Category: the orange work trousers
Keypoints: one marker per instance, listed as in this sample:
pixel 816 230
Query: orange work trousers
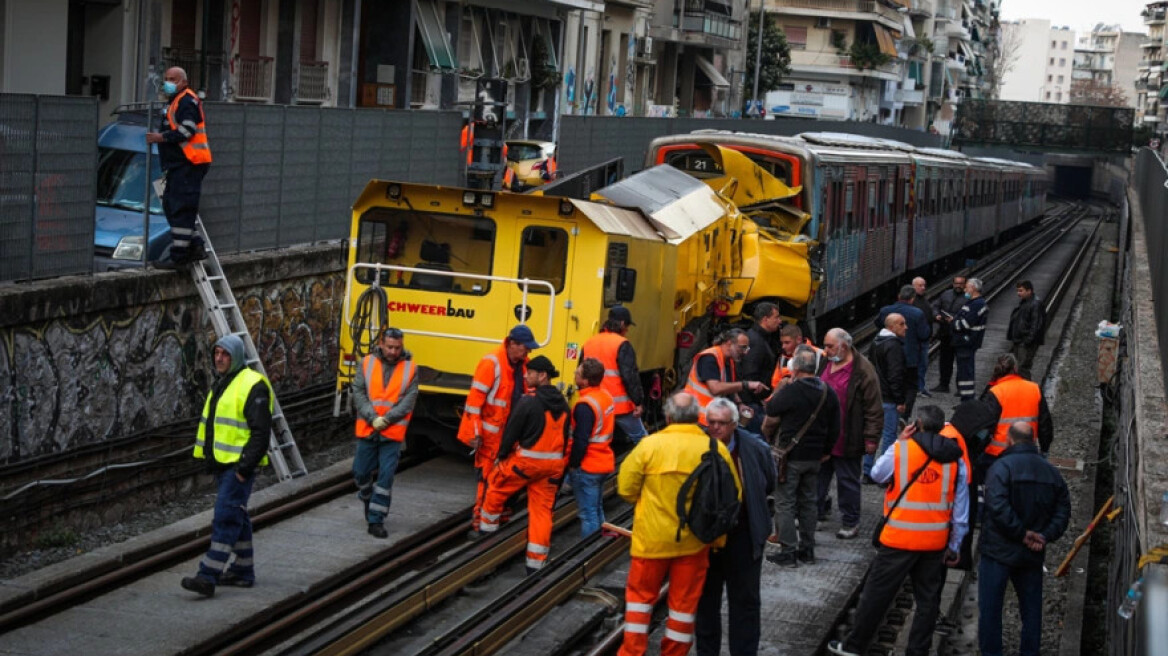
pixel 687 575
pixel 512 475
pixel 484 462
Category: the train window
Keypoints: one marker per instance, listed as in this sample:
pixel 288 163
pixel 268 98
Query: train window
pixel 905 200
pixel 420 240
pixel 849 208
pixel 873 219
pixel 890 203
pixel 618 259
pixel 543 255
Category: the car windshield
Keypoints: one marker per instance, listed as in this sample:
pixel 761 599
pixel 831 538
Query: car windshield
pixel 520 152
pixel 121 180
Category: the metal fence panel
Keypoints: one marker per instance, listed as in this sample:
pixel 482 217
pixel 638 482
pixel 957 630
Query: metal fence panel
pixel 366 154
pixel 66 165
pixel 333 194
pixel 589 140
pixel 298 182
pixel 17 173
pixel 263 140
pixel 221 204
pixel 396 152
pixel 1151 176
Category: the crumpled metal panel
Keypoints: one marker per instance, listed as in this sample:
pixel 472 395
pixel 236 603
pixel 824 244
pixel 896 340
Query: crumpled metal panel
pixel 678 204
pixel 618 221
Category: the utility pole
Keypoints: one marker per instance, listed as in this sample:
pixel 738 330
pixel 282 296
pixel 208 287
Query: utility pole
pixel 758 48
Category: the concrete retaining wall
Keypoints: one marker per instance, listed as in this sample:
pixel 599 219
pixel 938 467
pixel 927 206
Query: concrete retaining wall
pixel 89 359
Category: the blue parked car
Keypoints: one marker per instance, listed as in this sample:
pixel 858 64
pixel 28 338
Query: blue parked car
pixel 121 189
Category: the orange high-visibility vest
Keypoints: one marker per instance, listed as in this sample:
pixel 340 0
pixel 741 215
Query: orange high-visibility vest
pixel 196 149
pixel 384 396
pixel 697 388
pixel 1019 399
pixel 489 402
pixel 783 365
pixel 604 347
pixel 954 434
pixel 550 445
pixel 920 521
pixel 466 143
pixel 598 459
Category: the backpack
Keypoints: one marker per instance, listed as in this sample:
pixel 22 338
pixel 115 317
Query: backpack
pixel 714 509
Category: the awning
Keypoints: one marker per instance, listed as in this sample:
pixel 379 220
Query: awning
pixel 708 68
pixel 885 40
pixel 965 50
pixel 908 28
pixel 1164 91
pixel 434 35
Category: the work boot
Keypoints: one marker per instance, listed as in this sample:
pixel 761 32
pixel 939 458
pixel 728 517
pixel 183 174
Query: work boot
pixel 196 251
pixel 806 555
pixel 783 559
pixel 229 578
pixel 847 532
pixel 205 587
pixel 378 531
pixel 475 535
pixel 940 389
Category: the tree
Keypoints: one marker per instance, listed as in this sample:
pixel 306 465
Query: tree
pixel 1003 53
pixel 1090 92
pixel 776 55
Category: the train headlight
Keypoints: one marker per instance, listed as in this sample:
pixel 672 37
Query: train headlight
pixel 468 197
pixel 487 200
pixel 394 191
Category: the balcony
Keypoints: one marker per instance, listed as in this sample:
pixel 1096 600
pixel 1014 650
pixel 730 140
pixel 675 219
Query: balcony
pixel 711 24
pixel 829 62
pixel 855 9
pixel 1150 62
pixel 910 96
pixel 253 78
pixel 1154 17
pixel 313 83
pixel 921 8
pixel 958 29
pixel 1151 43
pixel 191 61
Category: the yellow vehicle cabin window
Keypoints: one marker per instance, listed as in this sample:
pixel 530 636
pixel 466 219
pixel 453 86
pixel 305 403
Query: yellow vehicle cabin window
pixel 543 255
pixel 441 244
pixel 617 260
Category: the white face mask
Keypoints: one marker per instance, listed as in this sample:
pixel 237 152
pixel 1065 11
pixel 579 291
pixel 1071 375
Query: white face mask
pixel 833 358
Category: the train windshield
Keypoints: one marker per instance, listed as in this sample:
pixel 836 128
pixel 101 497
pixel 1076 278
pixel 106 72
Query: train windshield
pixel 699 164
pixel 442 244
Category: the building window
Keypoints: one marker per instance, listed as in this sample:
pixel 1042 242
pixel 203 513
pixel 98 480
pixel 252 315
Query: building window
pixel 1060 79
pixel 1048 95
pixel 1053 45
pixel 1058 96
pixel 1052 61
pixel 1050 78
pixel 1063 46
pixel 796 37
pixel 1062 62
pixel 544 256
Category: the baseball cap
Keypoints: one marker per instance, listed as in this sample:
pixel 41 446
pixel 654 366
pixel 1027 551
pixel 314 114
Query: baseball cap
pixel 621 313
pixel 541 363
pixel 522 335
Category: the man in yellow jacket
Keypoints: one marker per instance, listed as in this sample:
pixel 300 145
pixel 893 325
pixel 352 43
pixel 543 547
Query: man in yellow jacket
pixel 650 478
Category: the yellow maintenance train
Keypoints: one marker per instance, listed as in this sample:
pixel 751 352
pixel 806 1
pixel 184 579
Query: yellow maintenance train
pixel 457 268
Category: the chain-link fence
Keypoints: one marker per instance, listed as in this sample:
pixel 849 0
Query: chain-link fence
pixel 1044 125
pixel 589 140
pixel 285 175
pixel 48 173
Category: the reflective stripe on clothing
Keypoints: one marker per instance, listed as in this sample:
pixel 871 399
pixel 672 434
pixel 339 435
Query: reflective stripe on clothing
pixel 920 522
pixel 606 347
pixel 1019 400
pixel 697 387
pixel 598 458
pixel 230 432
pixel 687 576
pixel 195 148
pixel 383 395
pixel 488 404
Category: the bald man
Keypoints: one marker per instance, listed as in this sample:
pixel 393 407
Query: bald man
pixel 184 155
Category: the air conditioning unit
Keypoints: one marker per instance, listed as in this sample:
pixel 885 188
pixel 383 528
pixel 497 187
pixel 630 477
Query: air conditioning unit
pixel 823 23
pixel 646 46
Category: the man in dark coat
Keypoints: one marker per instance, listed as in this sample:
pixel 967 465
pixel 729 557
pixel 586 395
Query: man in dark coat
pixel 887 356
pixel 759 362
pixel 921 302
pixel 967 332
pixel 1027 327
pixel 946 308
pixel 917 335
pixel 737 567
pixel 1027 506
pixel 788 411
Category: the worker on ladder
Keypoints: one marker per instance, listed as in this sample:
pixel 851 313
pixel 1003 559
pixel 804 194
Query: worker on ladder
pixel 184 155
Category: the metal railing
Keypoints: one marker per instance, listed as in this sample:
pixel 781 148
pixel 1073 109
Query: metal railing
pixel 313 82
pixel 852 6
pixel 525 283
pixel 253 78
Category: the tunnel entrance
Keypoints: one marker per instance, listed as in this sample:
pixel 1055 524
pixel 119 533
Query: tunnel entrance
pixel 1072 181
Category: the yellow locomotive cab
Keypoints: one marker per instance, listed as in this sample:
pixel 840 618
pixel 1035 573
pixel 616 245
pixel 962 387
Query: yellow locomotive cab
pixel 456 269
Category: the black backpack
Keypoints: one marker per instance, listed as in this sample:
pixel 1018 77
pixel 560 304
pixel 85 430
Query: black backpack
pixel 714 510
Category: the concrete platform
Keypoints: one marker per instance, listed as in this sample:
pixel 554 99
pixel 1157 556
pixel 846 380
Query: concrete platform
pixel 156 616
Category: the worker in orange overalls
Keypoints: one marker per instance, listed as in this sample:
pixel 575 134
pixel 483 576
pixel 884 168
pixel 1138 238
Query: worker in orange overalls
pixel 622 378
pixel 714 372
pixel 498 384
pixel 591 460
pixel 650 478
pixel 532 456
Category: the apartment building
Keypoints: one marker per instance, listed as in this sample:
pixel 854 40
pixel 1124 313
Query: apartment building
pixel 1033 40
pixel 699 47
pixel 1108 56
pixel 1151 92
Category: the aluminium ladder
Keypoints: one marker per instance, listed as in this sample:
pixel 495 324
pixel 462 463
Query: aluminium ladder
pixel 228 320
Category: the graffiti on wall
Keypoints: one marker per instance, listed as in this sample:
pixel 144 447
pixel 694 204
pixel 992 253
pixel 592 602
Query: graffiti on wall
pixel 81 380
